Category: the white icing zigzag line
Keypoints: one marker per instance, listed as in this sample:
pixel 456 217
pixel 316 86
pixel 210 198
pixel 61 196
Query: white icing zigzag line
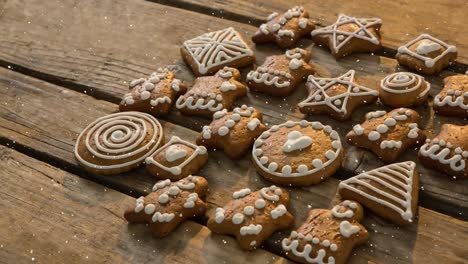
pixel 428 61
pixel 176 170
pixel 377 175
pixel 452 100
pixel 200 103
pixel 216 48
pixel 267 78
pixel 320 97
pixel 305 253
pixel 439 153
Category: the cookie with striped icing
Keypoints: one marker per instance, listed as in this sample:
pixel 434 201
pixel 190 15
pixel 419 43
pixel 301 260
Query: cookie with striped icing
pixel 252 217
pixel 453 99
pixel 169 204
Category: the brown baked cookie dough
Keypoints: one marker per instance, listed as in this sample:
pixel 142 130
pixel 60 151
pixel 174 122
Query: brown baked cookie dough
pixel 453 99
pixel 327 236
pixel 154 95
pixel 233 132
pixel 390 191
pixel 285 29
pixel 388 135
pixel 280 74
pixel 426 54
pixel 252 217
pixel 169 204
pixel 404 89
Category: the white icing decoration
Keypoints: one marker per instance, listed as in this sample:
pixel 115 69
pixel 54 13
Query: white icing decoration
pixel 265 192
pixel 209 101
pixel 175 152
pixel 347 229
pixel 237 219
pixel 358 129
pixel 403 83
pixel 251 230
pixel 241 193
pixel 279 211
pixel 227 86
pixel 375 114
pixel 346 214
pixel 190 201
pixel 219 216
pixel 145 95
pixel 293 246
pixel 161 184
pixel 390 144
pixel 260 203
pixel 165 217
pixel 296 141
pixel 426 46
pixel 295 64
pixel 303 23
pixel 453 98
pixel 264 29
pixel 253 124
pixel 373 135
pixel 272 15
pixel 206 132
pixel 437 150
pixel 222 131
pixel 160 100
pixel 262 75
pixel 249 210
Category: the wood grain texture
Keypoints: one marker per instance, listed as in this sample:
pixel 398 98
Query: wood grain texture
pixel 25 124
pixel 49 40
pixel 52 216
pixel 402 20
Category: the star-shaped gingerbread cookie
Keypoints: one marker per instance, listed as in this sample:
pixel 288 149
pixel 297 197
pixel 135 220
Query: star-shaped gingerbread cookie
pixel 337 97
pixel 253 216
pixel 448 151
pixel 234 132
pixel 154 95
pixel 388 135
pixel 349 35
pixel 280 74
pixel 169 204
pixel 453 99
pixel 285 29
pixel 210 94
pixel 327 236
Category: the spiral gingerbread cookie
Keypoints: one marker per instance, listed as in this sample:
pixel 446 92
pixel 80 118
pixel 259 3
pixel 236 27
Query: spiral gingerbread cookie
pixel 118 142
pixel 298 153
pixel 404 89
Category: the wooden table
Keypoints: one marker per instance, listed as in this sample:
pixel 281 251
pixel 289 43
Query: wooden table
pixel 66 63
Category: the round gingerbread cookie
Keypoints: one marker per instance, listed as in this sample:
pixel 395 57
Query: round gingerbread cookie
pixel 403 89
pixel 118 142
pixel 298 153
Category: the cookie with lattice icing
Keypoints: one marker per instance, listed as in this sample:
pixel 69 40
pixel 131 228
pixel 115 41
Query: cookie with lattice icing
pixel 212 51
pixel 350 35
pixel 426 54
pixel 403 89
pixel 233 132
pixel 177 159
pixel 453 99
pixel 390 191
pixel 169 204
pixel 154 95
pixel 448 151
pixel 327 236
pixel 280 74
pixel 285 29
pixel 388 135
pixel 252 217
pixel 337 97
pixel 118 142
pixel 298 153
pixel 210 94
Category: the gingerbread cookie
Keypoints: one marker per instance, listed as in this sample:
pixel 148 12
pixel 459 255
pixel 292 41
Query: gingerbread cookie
pixel 448 151
pixel 327 236
pixel 337 97
pixel 453 99
pixel 426 54
pixel 154 95
pixel 169 204
pixel 403 89
pixel 280 74
pixel 388 135
pixel 210 94
pixel 252 217
pixel 176 160
pixel 210 52
pixel 298 153
pixel 390 191
pixel 118 142
pixel 234 132
pixel 350 35
pixel 285 29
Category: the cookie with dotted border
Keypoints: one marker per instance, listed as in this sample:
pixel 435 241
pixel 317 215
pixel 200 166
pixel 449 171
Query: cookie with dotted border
pixel 298 153
pixel 448 151
pixel 210 94
pixel 453 99
pixel 279 75
pixel 327 236
pixel 403 89
pixel 286 29
pixel 154 95
pixel 388 135
pixel 169 204
pixel 252 217
pixel 177 159
pixel 233 132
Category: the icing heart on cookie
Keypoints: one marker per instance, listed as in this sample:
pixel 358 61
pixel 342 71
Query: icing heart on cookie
pixel 427 47
pixel 174 153
pixel 296 141
pixel 347 229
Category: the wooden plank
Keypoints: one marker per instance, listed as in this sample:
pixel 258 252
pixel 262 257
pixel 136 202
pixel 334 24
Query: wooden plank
pixel 91 61
pixel 52 216
pixel 33 103
pixel 402 20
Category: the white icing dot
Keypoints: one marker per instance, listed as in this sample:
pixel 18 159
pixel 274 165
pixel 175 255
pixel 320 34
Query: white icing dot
pixel 237 218
pixel 264 160
pixel 163 198
pixel 382 128
pixel 249 210
pixel 173 190
pixel 302 168
pixel 222 131
pixel 272 166
pixel 317 163
pixel 149 209
pixel 260 203
pixel 333 247
pixel 373 135
pixel 286 170
pixel 330 155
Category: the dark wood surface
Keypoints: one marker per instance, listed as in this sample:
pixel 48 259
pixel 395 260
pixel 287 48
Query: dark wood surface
pixel 82 55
